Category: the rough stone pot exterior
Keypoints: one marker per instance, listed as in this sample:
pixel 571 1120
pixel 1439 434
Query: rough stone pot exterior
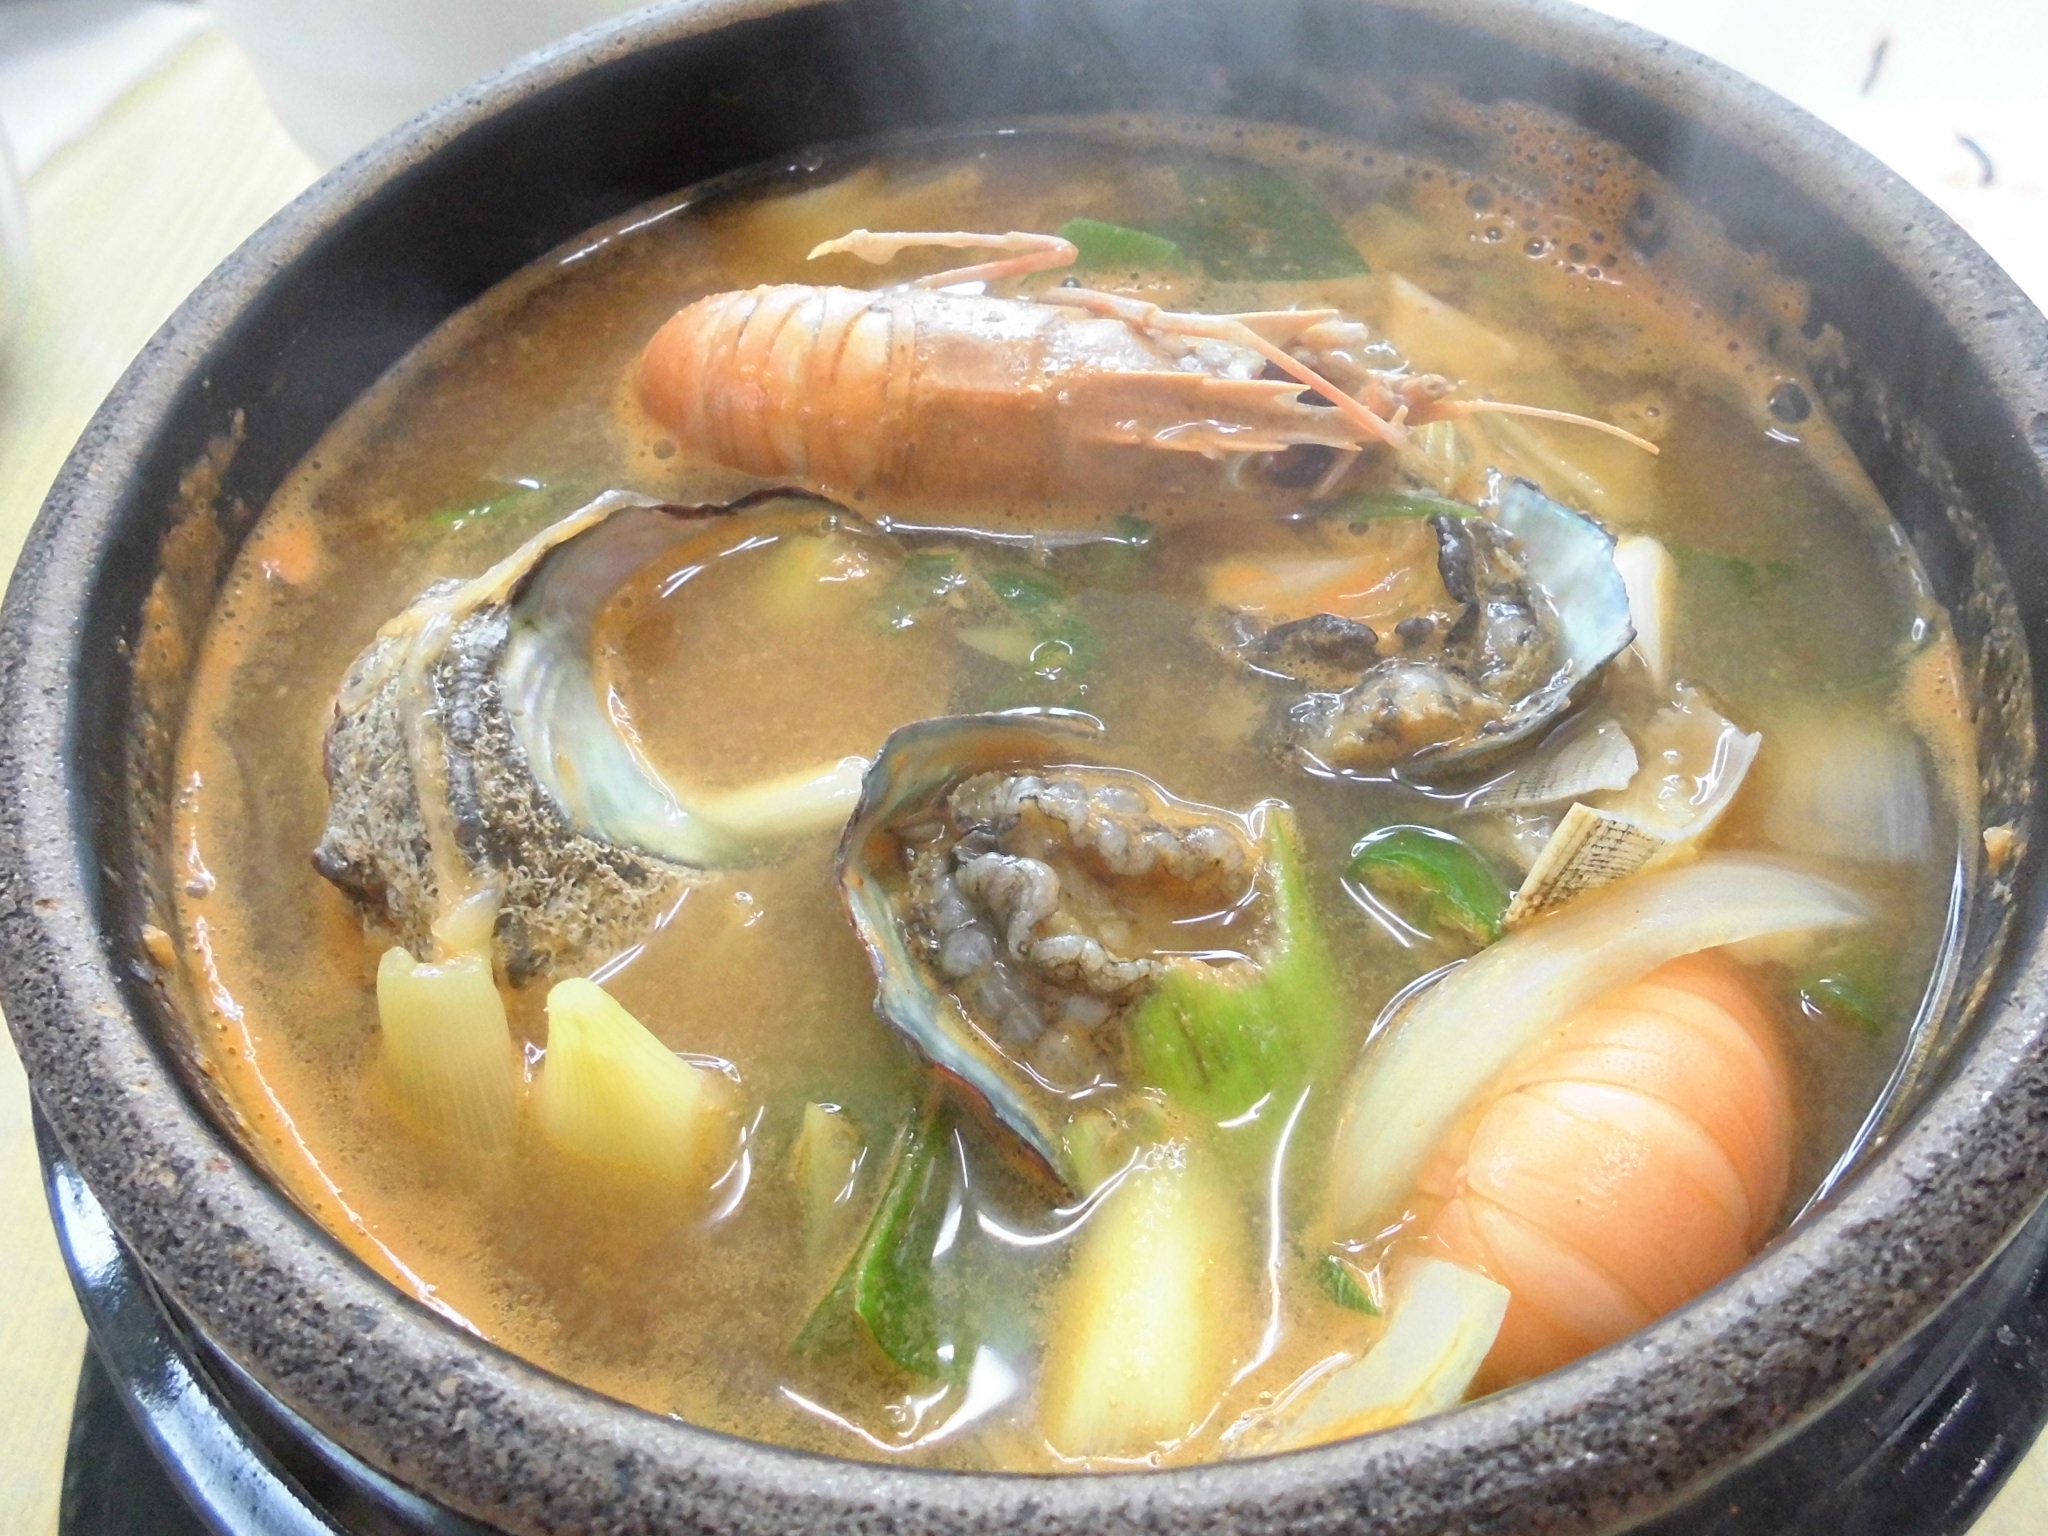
pixel 1944 395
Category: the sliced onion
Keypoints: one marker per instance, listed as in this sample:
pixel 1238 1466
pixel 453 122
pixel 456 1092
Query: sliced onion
pixel 1842 784
pixel 1415 1080
pixel 1444 1321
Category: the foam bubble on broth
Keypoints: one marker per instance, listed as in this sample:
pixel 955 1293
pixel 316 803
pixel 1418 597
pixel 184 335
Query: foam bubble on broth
pixel 520 407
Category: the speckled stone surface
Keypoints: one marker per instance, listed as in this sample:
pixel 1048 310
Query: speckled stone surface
pixel 1946 368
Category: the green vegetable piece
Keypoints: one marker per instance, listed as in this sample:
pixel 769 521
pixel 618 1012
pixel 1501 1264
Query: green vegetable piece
pixel 1218 1044
pixel 1118 559
pixel 1133 532
pixel 930 575
pixel 1432 880
pixel 1101 247
pixel 1732 573
pixel 920 584
pixel 1064 647
pixel 1853 986
pixel 891 1285
pixel 1345 1286
pixel 1255 224
pixel 507 506
pixel 1026 592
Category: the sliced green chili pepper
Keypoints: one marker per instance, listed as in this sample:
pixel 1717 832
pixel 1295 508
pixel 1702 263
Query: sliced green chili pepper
pixel 1432 880
pixel 1218 1045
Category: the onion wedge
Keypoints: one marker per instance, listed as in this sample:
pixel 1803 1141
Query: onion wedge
pixel 1415 1079
pixel 1443 1323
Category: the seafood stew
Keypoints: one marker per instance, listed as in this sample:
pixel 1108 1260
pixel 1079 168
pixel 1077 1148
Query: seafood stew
pixel 1304 788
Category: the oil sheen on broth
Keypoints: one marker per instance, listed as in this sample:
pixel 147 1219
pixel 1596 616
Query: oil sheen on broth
pixel 1209 1279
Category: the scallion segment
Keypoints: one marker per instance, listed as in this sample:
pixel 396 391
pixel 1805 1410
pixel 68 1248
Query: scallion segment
pixel 890 1288
pixel 448 1047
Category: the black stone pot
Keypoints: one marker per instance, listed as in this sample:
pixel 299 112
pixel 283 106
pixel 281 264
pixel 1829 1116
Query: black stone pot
pixel 1940 382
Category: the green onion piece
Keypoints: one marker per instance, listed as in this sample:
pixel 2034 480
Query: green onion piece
pixel 1026 591
pixel 514 506
pixel 1218 1043
pixel 919 584
pixel 1119 558
pixel 1256 224
pixel 1345 1286
pixel 1433 881
pixel 1063 648
pixel 1732 574
pixel 1852 985
pixel 825 1166
pixel 1102 247
pixel 890 1286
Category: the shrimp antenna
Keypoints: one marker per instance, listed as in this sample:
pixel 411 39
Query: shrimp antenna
pixel 1440 408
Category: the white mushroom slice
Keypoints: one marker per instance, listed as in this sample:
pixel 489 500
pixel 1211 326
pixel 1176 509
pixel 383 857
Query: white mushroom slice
pixel 1694 761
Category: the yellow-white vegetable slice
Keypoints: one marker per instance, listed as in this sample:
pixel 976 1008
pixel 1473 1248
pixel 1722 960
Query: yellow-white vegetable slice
pixel 448 1047
pixel 1143 1337
pixel 613 1096
pixel 825 1165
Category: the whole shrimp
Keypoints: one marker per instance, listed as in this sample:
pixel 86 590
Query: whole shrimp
pixel 925 390
pixel 1638 1157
